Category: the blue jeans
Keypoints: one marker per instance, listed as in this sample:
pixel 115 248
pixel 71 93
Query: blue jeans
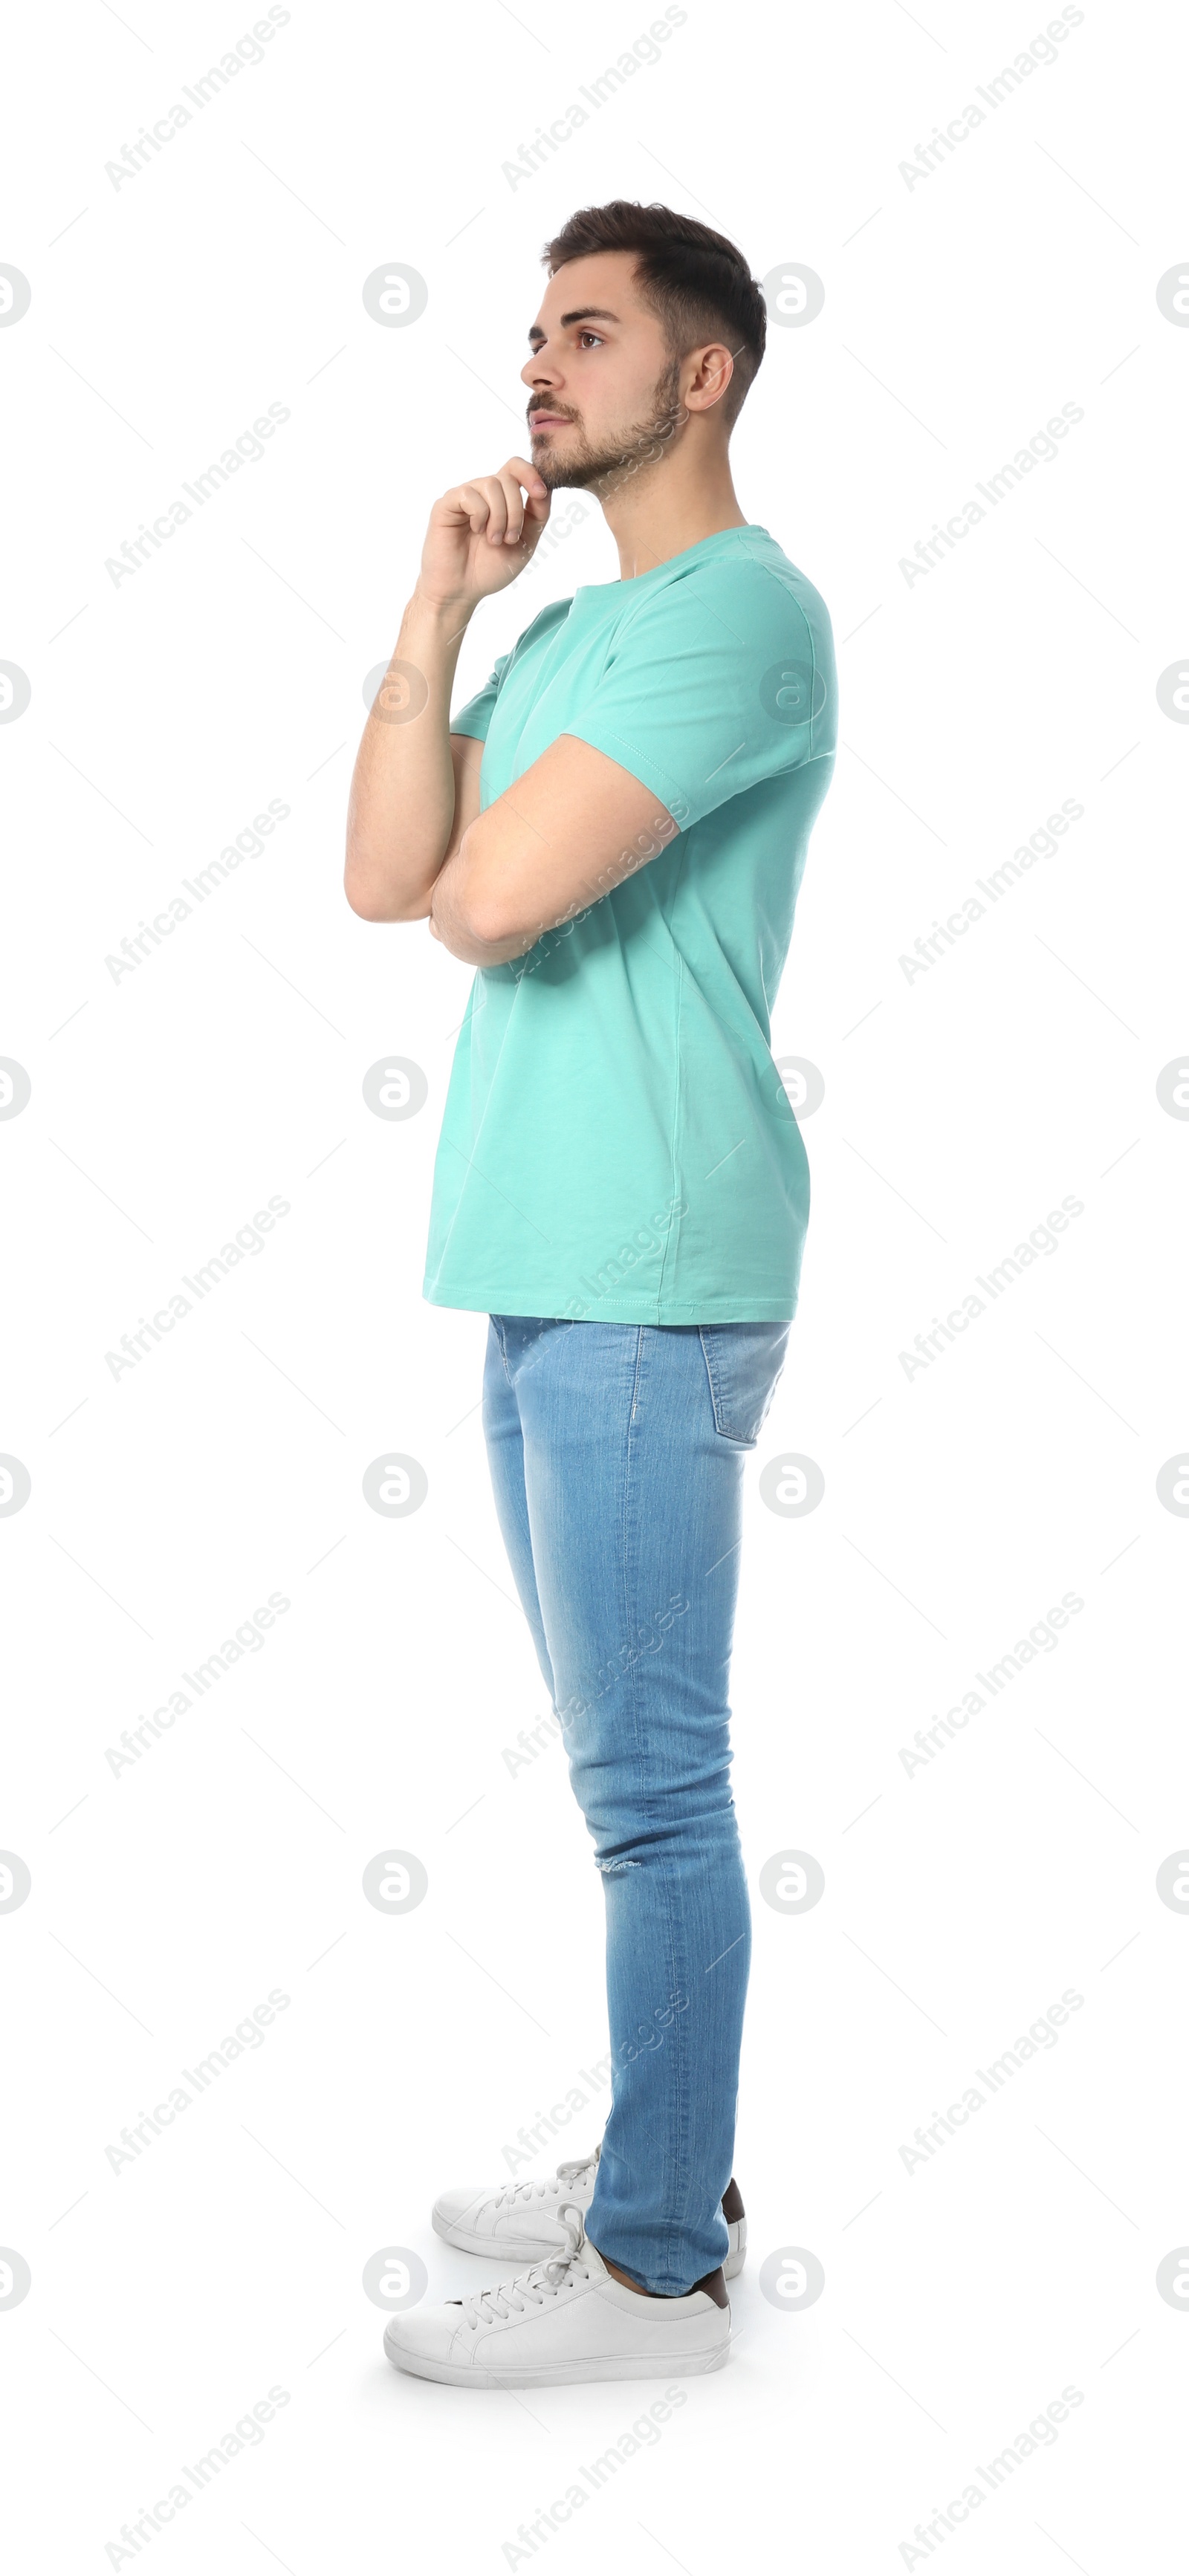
pixel 617 1454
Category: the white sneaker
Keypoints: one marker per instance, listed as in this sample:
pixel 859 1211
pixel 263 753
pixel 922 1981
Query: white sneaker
pixel 565 2320
pixel 520 2219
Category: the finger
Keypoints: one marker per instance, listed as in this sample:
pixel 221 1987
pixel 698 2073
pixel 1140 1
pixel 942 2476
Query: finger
pixel 537 506
pixel 497 508
pixel 515 505
pixel 472 500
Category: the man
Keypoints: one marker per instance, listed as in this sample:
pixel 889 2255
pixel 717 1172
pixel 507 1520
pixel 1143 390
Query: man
pixel 613 833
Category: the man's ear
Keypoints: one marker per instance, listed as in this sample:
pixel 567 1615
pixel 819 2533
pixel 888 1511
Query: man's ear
pixel 715 368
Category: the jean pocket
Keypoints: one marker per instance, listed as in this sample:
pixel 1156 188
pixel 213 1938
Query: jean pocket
pixel 743 1364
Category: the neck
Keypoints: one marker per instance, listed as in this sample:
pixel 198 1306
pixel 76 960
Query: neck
pixel 668 506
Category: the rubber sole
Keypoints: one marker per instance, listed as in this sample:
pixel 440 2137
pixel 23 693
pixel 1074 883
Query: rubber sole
pixel 537 2251
pixel 617 2366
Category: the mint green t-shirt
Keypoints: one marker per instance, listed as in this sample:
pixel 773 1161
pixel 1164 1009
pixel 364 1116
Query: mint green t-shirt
pixel 617 1143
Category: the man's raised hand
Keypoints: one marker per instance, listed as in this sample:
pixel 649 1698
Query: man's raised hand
pixel 482 534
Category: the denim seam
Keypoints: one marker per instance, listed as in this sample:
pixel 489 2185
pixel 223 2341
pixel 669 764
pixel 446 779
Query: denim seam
pixel 708 1356
pixel 515 1488
pixel 744 1439
pixel 676 2164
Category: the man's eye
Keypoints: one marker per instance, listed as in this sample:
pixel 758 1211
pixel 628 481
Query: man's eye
pixel 596 336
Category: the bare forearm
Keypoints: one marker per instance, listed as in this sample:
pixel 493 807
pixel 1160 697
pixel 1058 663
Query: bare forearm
pixel 401 810
pixel 402 824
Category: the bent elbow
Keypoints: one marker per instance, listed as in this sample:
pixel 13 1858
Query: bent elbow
pixel 484 908
pixel 487 922
pixel 372 900
pixel 361 899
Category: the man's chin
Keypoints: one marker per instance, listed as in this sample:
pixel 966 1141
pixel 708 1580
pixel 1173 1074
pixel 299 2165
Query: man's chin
pixel 559 474
pixel 582 473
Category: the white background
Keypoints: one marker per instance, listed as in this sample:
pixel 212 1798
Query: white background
pixel 962 1899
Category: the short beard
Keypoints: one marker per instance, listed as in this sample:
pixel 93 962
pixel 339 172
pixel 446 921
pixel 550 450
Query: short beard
pixel 633 452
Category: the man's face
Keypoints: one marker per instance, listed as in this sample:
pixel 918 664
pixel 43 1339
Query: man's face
pixel 603 389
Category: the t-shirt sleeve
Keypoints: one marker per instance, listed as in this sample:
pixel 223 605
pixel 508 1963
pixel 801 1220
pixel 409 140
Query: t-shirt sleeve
pixel 717 683
pixel 475 717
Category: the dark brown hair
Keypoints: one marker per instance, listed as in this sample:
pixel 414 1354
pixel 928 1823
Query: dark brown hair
pixel 697 283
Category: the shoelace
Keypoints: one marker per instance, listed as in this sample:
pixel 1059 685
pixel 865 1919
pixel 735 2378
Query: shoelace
pixel 545 2281
pixel 510 2193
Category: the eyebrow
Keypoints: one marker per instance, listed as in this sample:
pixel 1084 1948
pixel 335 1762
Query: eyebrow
pixel 585 313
